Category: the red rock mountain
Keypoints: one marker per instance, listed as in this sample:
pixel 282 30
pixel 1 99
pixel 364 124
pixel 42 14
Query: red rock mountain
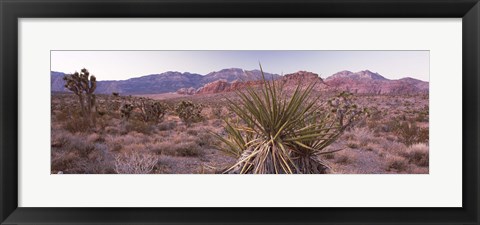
pixel 367 82
pixel 289 81
pixel 362 82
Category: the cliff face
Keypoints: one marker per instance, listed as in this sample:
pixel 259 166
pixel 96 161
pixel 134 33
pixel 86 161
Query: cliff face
pixel 367 82
pixel 187 91
pixel 289 81
pixel 220 86
pixel 170 81
pixel 226 80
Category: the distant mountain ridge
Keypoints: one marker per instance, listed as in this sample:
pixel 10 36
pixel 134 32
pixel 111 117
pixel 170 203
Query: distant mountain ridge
pixel 170 81
pixel 288 81
pixel 364 74
pixel 367 82
pixel 231 79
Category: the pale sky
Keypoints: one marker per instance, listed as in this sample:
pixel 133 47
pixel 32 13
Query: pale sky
pixel 121 65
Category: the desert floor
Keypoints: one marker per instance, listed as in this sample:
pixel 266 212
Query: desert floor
pixel 393 139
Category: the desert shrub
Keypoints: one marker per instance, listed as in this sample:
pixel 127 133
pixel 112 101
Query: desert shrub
pixel 82 147
pixel 61 116
pixel 417 154
pixel 97 162
pixel 360 137
pixel 189 148
pixel 76 124
pixel 352 145
pixel 343 159
pixel 396 163
pixel 282 133
pixel 189 112
pixel 94 137
pixel 63 161
pixel 206 139
pixel 167 125
pixel 216 112
pixel 422 117
pixel 192 132
pixel 409 133
pixel 115 147
pixel 81 154
pixel 138 126
pixel 135 163
pixel 60 139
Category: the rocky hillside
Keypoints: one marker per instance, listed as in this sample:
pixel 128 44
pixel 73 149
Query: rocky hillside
pixel 289 81
pixel 367 82
pixel 56 81
pixel 234 74
pixel 227 80
pixel 165 82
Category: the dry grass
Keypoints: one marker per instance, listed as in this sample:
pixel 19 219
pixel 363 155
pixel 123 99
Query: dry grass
pixel 117 146
pixel 135 163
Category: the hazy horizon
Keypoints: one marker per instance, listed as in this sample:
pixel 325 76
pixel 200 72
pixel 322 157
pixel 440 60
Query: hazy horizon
pixel 122 65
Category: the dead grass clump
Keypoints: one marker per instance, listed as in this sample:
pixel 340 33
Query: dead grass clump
pixel 61 116
pixel 76 124
pixel 135 163
pixel 63 161
pixel 417 154
pixel 80 145
pixel 94 137
pixel 188 149
pixel 343 159
pixel 167 125
pixel 99 161
pixel 360 138
pixel 409 133
pixel 115 147
pixel 352 145
pixel 138 126
pixel 134 147
pixel 364 136
pixel 60 139
pixel 396 163
pixel 392 147
pixel 112 130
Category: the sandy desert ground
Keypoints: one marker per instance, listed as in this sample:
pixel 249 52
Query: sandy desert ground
pixel 392 139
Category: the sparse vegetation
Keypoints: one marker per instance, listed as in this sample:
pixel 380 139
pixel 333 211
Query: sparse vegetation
pixel 189 112
pixel 289 131
pixel 83 85
pixel 277 133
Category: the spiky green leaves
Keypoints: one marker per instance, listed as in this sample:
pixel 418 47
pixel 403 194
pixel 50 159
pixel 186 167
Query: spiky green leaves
pixel 279 132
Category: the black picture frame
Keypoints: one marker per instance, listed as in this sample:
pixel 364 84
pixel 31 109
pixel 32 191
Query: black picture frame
pixel 12 10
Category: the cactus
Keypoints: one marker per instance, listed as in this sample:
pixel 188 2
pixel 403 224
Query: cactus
pixel 83 85
pixel 188 112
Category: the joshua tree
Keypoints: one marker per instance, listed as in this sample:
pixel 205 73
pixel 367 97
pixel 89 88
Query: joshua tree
pixel 83 85
pixel 151 111
pixel 278 132
pixel 126 110
pixel 188 112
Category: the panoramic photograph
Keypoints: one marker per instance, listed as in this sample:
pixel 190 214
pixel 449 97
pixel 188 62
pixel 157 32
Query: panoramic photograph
pixel 239 112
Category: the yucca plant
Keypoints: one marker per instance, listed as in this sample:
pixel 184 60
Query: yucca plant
pixel 277 132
